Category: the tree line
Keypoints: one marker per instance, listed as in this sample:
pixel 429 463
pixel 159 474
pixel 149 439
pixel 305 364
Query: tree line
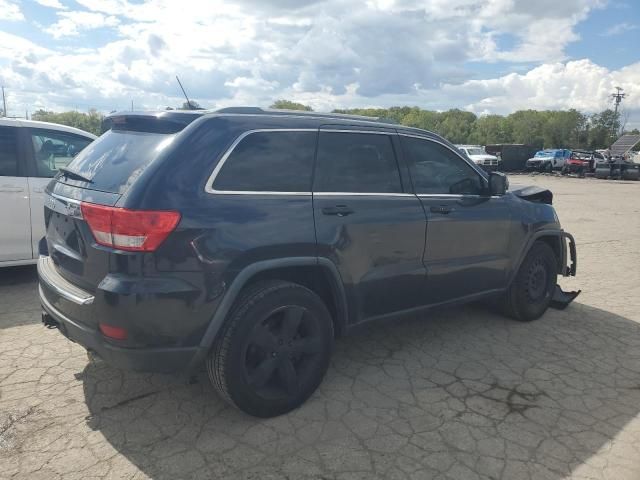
pixel 539 128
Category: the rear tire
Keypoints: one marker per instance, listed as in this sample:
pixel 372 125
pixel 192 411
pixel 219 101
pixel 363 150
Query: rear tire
pixel 530 293
pixel 273 350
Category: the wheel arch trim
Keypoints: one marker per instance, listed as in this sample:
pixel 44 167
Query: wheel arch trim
pixel 245 276
pixel 562 238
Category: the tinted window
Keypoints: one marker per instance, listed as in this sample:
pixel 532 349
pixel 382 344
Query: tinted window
pixel 269 162
pixel 356 162
pixel 437 170
pixel 8 152
pixel 116 159
pixel 53 150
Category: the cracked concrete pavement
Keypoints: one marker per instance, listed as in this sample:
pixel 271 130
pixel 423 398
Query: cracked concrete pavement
pixel 460 394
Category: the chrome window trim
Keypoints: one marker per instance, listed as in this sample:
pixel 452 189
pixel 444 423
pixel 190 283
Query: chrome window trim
pixel 209 185
pixel 361 194
pixel 208 188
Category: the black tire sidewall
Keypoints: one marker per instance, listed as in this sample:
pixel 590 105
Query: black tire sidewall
pixel 521 305
pixel 246 316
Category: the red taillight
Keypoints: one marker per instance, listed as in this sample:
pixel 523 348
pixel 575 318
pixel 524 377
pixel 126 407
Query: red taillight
pixel 117 333
pixel 133 230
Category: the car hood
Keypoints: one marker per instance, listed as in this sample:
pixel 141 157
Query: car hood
pixel 483 157
pixel 533 194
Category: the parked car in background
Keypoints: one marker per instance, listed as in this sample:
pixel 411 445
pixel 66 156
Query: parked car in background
pixel 548 160
pixel 480 157
pixel 30 154
pixel 582 162
pixel 248 240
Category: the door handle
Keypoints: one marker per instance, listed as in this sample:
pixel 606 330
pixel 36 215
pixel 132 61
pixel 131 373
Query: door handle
pixel 9 188
pixel 441 209
pixel 339 210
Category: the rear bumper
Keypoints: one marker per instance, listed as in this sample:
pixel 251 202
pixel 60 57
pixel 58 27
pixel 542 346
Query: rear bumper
pixel 163 360
pixel 77 313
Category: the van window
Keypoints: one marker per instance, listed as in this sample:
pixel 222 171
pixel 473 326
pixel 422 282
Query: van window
pixel 8 152
pixel 356 163
pixel 54 149
pixel 273 161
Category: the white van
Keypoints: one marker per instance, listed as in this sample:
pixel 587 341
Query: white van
pixel 30 154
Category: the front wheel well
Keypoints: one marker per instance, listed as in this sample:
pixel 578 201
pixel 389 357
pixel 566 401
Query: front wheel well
pixel 555 242
pixel 316 278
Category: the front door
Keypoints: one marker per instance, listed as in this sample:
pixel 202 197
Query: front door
pixel 467 242
pixel 15 235
pixel 367 223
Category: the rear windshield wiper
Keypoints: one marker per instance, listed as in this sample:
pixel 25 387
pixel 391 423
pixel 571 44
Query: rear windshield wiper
pixel 71 174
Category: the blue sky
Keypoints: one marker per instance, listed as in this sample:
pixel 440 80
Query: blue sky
pixel 492 56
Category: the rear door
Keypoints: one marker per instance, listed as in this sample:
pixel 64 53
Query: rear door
pixel 15 235
pixel 49 151
pixel 467 243
pixel 367 221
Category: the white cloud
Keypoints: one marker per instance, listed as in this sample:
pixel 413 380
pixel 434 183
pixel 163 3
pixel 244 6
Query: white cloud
pixel 329 53
pixel 52 4
pixel 10 11
pixel 619 29
pixel 72 23
pixel 579 84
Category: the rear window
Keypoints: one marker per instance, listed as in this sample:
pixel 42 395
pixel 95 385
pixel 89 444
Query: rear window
pixel 116 159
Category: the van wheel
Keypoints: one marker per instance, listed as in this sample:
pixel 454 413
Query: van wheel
pixel 274 349
pixel 530 293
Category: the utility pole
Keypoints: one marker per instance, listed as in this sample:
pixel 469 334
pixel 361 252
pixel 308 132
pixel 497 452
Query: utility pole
pixel 617 98
pixel 4 104
pixel 132 105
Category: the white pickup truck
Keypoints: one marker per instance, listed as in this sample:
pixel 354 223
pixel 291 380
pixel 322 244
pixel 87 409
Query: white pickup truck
pixel 480 157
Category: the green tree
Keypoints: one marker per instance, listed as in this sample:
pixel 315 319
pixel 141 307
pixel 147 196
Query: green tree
pixel 89 122
pixel 603 128
pixel 289 105
pixel 491 129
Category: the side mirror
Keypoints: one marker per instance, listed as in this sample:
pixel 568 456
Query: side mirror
pixel 498 183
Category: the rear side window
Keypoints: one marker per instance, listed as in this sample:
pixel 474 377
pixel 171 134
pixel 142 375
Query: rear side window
pixel 53 150
pixel 356 163
pixel 274 161
pixel 8 152
pixel 117 158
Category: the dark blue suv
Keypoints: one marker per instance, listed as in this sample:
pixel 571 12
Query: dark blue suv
pixel 248 240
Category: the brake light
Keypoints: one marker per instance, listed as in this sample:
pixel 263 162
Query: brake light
pixel 132 230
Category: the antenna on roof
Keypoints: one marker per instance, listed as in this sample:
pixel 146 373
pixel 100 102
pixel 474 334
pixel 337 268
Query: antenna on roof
pixel 191 107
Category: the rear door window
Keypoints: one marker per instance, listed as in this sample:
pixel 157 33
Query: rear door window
pixel 356 163
pixel 8 152
pixel 269 161
pixel 54 149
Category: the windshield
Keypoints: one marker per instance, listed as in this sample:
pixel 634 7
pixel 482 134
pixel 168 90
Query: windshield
pixel 476 151
pixel 545 153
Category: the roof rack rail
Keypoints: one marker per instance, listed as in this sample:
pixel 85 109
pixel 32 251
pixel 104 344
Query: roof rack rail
pixel 273 111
